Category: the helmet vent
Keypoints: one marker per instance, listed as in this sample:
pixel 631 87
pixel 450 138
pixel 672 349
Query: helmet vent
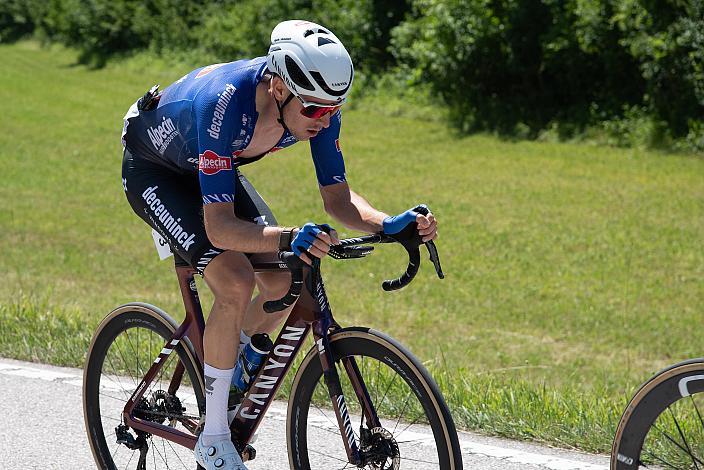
pixel 319 79
pixel 310 31
pixel 297 75
pixel 322 41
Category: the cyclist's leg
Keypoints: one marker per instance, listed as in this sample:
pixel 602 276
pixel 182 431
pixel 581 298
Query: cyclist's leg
pixel 171 203
pixel 271 286
pixel 231 279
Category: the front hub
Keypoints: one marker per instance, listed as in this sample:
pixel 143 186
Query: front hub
pixel 379 450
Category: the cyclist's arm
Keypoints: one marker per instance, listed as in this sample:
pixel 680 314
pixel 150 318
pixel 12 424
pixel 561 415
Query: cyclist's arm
pixel 217 117
pixel 340 202
pixel 230 233
pixel 351 209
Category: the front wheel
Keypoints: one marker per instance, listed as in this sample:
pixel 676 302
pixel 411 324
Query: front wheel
pixel 417 430
pixel 663 425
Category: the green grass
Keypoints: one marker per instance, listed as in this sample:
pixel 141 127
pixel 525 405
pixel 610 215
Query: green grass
pixel 573 271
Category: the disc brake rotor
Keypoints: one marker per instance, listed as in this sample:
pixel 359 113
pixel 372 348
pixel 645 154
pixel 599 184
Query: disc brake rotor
pixel 380 450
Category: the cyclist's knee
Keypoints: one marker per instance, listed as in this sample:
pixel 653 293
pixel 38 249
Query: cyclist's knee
pixel 273 285
pixel 230 277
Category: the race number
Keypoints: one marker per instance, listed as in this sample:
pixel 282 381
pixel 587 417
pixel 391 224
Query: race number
pixel 162 246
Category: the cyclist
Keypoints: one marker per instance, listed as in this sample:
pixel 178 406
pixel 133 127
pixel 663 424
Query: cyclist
pixel 183 149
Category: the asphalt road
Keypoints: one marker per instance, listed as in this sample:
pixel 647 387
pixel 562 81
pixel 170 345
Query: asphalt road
pixel 41 427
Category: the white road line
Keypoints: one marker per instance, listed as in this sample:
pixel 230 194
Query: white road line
pixel 278 412
pixel 33 373
pixel 527 458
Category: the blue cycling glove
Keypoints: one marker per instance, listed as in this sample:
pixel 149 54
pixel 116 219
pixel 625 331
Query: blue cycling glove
pixel 306 236
pixel 395 224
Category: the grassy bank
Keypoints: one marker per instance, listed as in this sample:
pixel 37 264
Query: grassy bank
pixel 573 272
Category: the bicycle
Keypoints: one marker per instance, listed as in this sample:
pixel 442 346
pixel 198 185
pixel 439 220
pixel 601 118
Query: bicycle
pixel 663 425
pixel 141 395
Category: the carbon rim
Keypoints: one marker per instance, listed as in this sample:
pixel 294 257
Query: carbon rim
pixel 663 426
pixel 122 352
pixel 408 413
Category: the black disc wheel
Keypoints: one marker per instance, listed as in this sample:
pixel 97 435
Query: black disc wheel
pixel 663 425
pixel 123 349
pixel 416 430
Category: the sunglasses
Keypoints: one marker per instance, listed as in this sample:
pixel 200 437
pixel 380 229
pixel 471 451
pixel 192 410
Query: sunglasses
pixel 313 110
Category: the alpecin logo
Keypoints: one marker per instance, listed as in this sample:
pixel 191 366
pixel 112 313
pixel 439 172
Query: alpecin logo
pixel 162 134
pixel 210 163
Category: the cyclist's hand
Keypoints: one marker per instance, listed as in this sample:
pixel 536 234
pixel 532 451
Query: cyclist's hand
pixel 427 225
pixel 310 240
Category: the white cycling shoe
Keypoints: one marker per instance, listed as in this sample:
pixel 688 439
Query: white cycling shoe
pixel 222 455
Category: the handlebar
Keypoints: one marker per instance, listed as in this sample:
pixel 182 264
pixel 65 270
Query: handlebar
pixel 411 241
pixel 295 265
pixel 350 248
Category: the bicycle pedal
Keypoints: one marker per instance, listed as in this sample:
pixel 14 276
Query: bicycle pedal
pixel 249 453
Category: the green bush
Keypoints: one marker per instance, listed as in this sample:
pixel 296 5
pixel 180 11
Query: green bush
pixel 503 65
pixel 97 28
pixel 15 20
pixel 243 29
pixel 523 66
pixel 667 40
pixel 100 29
pixel 208 29
pixel 694 141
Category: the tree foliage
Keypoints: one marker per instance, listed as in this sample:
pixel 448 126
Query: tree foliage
pixel 15 20
pixel 513 66
pixel 504 63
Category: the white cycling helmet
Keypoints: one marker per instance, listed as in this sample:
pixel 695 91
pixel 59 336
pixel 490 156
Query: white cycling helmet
pixel 311 60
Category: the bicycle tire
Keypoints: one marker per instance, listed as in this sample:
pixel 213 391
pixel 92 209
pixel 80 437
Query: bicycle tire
pixel 371 348
pixel 105 392
pixel 663 420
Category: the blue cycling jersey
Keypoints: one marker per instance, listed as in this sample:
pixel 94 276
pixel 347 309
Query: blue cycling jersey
pixel 204 120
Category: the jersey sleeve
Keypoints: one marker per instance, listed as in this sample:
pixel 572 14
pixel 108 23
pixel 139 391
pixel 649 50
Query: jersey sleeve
pixel 216 112
pixel 326 153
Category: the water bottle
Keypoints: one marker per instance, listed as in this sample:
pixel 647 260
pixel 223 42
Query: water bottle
pixel 250 360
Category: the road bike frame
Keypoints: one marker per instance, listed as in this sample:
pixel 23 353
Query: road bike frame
pixel 310 313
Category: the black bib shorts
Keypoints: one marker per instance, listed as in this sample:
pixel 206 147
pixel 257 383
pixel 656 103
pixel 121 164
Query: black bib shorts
pixel 170 201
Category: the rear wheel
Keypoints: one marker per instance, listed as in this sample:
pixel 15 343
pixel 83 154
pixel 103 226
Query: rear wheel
pixel 123 349
pixel 663 425
pixel 416 429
